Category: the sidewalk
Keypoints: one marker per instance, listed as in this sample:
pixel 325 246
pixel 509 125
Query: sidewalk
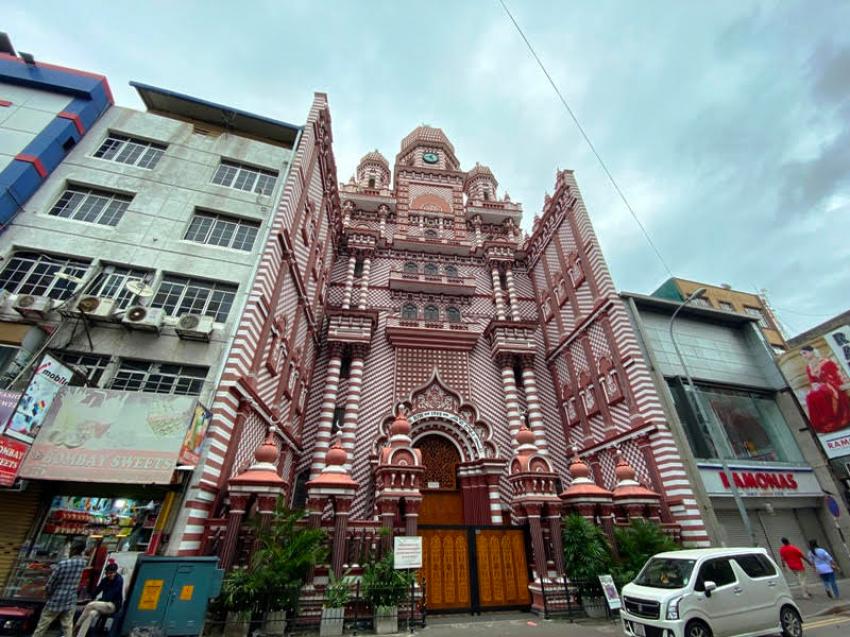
pixel 820 604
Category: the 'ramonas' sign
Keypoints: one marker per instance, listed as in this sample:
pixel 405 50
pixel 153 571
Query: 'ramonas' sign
pixel 761 480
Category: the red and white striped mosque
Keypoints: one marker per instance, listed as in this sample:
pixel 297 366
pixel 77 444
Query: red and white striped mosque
pixel 414 361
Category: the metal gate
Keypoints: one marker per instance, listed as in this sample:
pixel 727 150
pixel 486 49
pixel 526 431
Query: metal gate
pixel 474 568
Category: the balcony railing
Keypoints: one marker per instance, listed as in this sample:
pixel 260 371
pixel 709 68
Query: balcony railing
pixel 432 283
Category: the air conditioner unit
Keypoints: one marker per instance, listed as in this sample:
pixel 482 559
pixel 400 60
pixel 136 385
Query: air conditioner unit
pixel 33 307
pixel 139 317
pixel 195 327
pixel 96 307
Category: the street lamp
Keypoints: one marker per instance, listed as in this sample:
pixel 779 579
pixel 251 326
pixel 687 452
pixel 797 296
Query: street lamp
pixel 703 416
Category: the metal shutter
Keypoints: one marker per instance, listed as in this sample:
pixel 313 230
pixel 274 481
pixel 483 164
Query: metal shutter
pixel 736 534
pixel 18 512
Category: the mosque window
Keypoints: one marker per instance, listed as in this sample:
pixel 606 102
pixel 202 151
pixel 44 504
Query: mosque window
pixel 432 313
pixel 411 268
pixel 409 312
pixel 431 269
pixel 451 271
pixel 430 234
pixel 453 315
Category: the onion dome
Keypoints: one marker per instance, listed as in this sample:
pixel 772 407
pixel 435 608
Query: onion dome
pixel 628 488
pixel 582 487
pixel 263 471
pixel 525 437
pixel 400 426
pixel 334 477
pixel 426 135
pixel 373 171
pixel 375 156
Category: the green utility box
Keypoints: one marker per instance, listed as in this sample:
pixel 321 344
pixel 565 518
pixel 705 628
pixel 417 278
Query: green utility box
pixel 171 593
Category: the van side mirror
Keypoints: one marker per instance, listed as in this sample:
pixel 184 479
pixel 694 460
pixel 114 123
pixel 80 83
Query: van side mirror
pixel 709 588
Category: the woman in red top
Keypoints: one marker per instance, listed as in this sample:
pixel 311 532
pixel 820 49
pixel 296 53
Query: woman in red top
pixel 793 558
pixel 828 404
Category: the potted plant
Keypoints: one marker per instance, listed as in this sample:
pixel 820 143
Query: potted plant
pixel 237 600
pixel 337 594
pixel 279 566
pixel 587 555
pixel 384 587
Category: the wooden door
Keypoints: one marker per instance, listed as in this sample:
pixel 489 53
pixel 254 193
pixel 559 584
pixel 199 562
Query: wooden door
pixel 502 569
pixel 445 567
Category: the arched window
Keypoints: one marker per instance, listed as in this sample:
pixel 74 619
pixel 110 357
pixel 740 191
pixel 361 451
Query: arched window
pixel 411 268
pixel 371 182
pixel 486 195
pixel 451 271
pixel 358 268
pixel 430 234
pixel 431 269
pixel 453 315
pixel 409 312
pixel 432 313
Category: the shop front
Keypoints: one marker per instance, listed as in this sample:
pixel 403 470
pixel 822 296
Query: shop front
pixel 780 501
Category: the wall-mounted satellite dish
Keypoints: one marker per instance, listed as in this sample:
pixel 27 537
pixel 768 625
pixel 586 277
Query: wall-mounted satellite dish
pixel 66 276
pixel 139 288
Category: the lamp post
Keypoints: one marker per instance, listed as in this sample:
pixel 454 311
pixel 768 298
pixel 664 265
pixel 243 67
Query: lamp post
pixel 709 422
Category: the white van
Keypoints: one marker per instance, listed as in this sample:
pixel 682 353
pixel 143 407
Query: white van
pixel 710 593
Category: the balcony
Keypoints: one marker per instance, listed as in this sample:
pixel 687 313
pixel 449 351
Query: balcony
pixel 433 334
pixel 494 211
pixel 432 284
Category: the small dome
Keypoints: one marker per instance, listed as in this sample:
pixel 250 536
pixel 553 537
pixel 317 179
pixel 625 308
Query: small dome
pixel 624 471
pixel 400 426
pixel 267 452
pixel 426 135
pixel 375 156
pixel 525 436
pixel 336 455
pixel 578 467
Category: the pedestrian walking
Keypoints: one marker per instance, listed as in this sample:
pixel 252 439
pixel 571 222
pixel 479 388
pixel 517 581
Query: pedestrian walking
pixel 792 559
pixel 825 566
pixel 62 592
pixel 111 591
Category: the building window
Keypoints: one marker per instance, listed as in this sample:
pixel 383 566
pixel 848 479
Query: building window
pixel 33 273
pixel 409 312
pixel 431 269
pixel 91 366
pixel 339 414
pixel 179 295
pixel 452 315
pixel 242 177
pixel 159 378
pixel 220 230
pixel 431 234
pixel 371 182
pixel 130 151
pixel 752 425
pixel 757 313
pixel 112 284
pixel 451 272
pixel 345 366
pixel 486 195
pixel 411 268
pixel 432 313
pixel 358 268
pixel 701 301
pixel 726 305
pixel 91 205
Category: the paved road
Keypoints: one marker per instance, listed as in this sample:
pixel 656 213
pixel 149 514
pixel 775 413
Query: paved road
pixel 828 626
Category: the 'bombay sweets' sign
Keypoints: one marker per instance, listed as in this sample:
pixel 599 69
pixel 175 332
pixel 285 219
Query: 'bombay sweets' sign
pixel 760 481
pixel 101 435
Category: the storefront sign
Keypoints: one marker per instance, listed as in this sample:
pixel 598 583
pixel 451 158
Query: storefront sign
pixel 760 481
pixel 190 452
pixel 407 552
pixel 8 402
pixel 12 453
pixel 818 372
pixel 49 378
pixel 100 435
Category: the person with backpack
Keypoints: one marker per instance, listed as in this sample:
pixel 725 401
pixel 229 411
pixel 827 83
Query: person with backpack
pixel 825 566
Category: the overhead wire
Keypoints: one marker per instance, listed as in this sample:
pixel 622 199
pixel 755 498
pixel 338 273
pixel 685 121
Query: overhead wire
pixel 586 137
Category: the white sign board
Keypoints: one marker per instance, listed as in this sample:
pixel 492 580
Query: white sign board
pixel 760 481
pixel 407 552
pixel 610 590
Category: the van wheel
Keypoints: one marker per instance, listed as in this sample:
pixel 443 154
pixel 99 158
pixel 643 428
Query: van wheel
pixel 697 628
pixel 792 625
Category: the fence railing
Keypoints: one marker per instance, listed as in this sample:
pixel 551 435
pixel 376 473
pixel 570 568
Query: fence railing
pixel 572 599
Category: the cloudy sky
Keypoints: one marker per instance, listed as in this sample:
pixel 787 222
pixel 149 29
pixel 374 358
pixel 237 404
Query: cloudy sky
pixel 727 124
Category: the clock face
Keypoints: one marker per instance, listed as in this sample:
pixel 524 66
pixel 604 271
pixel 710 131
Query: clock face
pixel 430 158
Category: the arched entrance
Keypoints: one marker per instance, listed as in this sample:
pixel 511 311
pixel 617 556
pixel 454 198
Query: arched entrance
pixel 442 502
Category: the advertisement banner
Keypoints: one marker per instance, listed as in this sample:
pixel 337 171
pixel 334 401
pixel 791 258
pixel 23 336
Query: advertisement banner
pixel 817 373
pixel 12 453
pixel 50 376
pixel 8 402
pixel 190 452
pixel 760 481
pixel 101 435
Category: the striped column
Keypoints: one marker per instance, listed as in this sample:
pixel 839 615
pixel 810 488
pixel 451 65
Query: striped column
pixel 509 276
pixel 364 284
pixel 326 414
pixel 477 225
pixel 497 294
pixel 382 216
pixel 535 414
pixel 511 400
pixel 352 408
pixel 349 282
pixel 495 499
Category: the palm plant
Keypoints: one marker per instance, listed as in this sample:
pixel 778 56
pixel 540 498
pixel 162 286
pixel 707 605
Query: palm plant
pixel 383 585
pixel 586 551
pixel 637 543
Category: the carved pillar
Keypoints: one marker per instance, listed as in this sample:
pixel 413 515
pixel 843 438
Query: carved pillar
pixel 382 217
pixel 509 276
pixel 538 548
pixel 342 508
pixel 364 284
pixel 494 499
pixel 387 509
pixel 497 293
pixel 315 506
pixel 326 413
pixel 535 413
pixel 556 538
pixel 238 504
pixel 265 509
pixel 349 282
pixel 511 399
pixel 352 404
pixel 606 515
pixel 411 516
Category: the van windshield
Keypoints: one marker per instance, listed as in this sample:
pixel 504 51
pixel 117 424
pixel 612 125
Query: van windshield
pixel 666 573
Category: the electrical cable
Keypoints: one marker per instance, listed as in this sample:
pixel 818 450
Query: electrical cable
pixel 587 139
